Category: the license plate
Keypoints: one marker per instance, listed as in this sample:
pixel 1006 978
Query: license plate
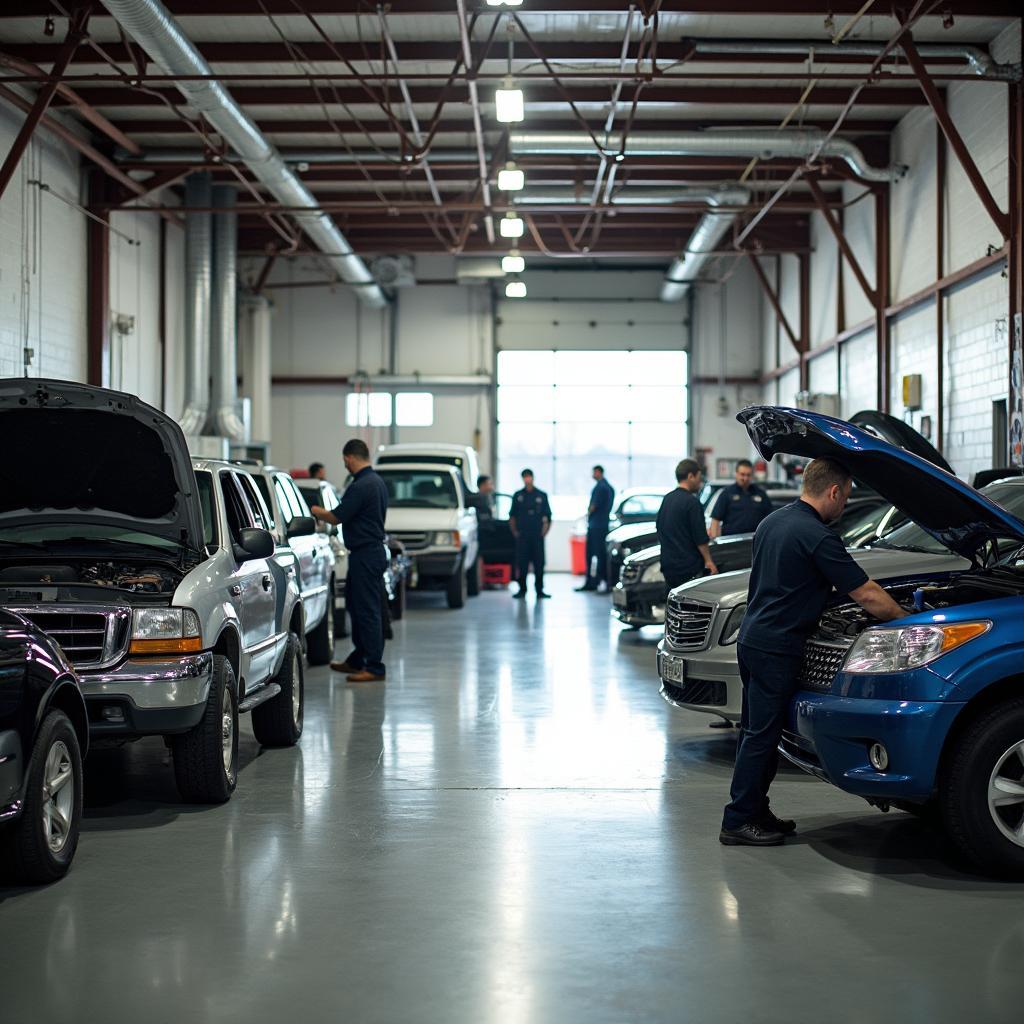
pixel 619 598
pixel 673 670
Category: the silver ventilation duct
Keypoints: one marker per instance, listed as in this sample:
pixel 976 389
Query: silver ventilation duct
pixel 157 32
pixel 224 419
pixel 197 304
pixel 980 61
pixel 801 143
pixel 686 267
pixel 630 196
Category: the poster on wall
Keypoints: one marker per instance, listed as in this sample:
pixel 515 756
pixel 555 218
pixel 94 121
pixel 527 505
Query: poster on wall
pixel 1017 396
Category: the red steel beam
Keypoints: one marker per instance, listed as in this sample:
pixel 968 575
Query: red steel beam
pixel 97 234
pixel 773 300
pixel 840 237
pixel 804 263
pixel 882 294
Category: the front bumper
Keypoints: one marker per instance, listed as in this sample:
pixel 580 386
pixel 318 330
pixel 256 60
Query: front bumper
pixel 436 564
pixel 829 737
pixel 145 697
pixel 641 605
pixel 705 681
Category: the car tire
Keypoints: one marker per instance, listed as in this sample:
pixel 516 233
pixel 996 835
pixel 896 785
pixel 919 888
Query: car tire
pixel 278 721
pixel 473 578
pixel 320 643
pixel 987 759
pixel 456 589
pixel 206 757
pixel 397 606
pixel 43 840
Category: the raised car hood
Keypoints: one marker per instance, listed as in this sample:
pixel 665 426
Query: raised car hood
pixel 951 511
pixel 419 519
pixel 83 455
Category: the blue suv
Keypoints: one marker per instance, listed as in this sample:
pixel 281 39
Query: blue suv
pixel 926 712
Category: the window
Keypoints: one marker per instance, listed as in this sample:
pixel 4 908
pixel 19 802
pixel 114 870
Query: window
pixel 238 517
pixel 562 412
pixel 261 483
pixel 368 410
pixel 299 502
pixel 256 507
pixel 414 409
pixel 205 482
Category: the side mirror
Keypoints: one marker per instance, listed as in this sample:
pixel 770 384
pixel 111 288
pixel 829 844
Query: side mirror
pixel 253 543
pixel 301 526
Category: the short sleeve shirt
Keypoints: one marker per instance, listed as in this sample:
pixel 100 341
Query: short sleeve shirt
pixel 798 563
pixel 739 510
pixel 681 530
pixel 529 510
pixel 363 508
pixel 602 497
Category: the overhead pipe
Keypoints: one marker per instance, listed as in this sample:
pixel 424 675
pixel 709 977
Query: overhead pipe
pixel 981 62
pixel 198 253
pixel 159 34
pixel 224 418
pixel 669 194
pixel 800 143
pixel 296 158
pixel 707 235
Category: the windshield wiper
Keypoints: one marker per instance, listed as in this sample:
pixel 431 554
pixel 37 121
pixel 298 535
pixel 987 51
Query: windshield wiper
pixel 915 548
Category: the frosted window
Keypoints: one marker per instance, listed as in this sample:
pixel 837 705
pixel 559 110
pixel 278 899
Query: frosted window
pixel 414 409
pixel 368 410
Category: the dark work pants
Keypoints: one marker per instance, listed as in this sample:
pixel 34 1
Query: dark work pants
pixel 363 603
pixel 677 579
pixel 769 682
pixel 597 548
pixel 530 551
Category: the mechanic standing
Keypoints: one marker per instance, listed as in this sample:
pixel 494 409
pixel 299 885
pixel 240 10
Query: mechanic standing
pixel 530 520
pixel 681 531
pixel 741 506
pixel 798 561
pixel 317 471
pixel 483 500
pixel 602 497
pixel 361 512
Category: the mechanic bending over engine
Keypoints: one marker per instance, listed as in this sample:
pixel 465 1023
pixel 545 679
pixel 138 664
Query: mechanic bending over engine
pixel 798 561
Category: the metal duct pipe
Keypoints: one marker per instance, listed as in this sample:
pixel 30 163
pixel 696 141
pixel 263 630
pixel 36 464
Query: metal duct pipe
pixel 197 304
pixel 801 143
pixel 686 267
pixel 224 419
pixel 981 62
pixel 295 158
pixel 257 371
pixel 157 32
pixel 627 197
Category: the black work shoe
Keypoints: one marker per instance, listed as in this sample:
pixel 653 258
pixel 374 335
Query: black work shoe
pixel 784 825
pixel 583 589
pixel 750 834
pixel 541 595
pixel 519 594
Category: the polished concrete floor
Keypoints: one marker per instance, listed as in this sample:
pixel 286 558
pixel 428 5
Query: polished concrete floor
pixel 514 829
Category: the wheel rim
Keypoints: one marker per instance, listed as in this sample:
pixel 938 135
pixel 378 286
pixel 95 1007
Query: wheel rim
pixel 330 630
pixel 227 733
pixel 58 796
pixel 1006 794
pixel 296 692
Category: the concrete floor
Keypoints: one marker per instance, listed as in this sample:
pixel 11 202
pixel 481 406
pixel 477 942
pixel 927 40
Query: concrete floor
pixel 514 829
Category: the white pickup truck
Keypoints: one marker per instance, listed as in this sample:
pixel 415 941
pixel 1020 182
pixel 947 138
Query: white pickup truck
pixel 428 513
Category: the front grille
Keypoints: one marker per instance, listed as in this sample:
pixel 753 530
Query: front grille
pixel 707 692
pixel 630 574
pixel 688 623
pixel 88 639
pixel 822 661
pixel 413 541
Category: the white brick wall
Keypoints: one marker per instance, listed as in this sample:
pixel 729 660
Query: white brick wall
pixel 912 350
pixel 857 361
pixel 859 228
pixel 824 281
pixel 912 209
pixel 823 373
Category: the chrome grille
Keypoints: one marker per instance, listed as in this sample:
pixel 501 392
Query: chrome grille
pixel 630 574
pixel 413 541
pixel 89 639
pixel 688 623
pixel 822 662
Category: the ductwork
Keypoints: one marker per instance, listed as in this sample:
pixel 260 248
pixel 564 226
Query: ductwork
pixel 197 304
pixel 630 196
pixel 980 61
pixel 157 32
pixel 711 229
pixel 224 419
pixel 801 143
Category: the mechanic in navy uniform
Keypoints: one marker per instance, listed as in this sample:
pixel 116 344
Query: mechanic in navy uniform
pixel 681 532
pixel 741 506
pixel 602 498
pixel 799 561
pixel 361 512
pixel 530 520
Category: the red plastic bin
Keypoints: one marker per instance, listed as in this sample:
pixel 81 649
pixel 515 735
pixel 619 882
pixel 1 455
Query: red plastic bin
pixel 497 574
pixel 578 555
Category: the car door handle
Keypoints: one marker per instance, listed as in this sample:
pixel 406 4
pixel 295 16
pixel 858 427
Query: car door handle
pixel 235 590
pixel 267 581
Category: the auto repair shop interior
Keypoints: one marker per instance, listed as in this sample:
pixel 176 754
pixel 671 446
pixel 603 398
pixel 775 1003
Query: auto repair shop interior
pixel 482 236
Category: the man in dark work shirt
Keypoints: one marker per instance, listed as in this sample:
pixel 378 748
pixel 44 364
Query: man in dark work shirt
pixel 798 562
pixel 740 507
pixel 681 530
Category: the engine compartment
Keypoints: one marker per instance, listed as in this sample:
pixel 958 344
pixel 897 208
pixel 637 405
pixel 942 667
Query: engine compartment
pixel 133 578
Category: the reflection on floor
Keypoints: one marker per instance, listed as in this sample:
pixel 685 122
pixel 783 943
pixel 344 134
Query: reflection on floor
pixel 515 828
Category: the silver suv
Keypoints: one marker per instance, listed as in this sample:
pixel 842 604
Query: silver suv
pixel 155 575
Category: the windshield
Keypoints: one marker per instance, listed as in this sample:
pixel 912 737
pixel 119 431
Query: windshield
pixel 862 526
pixel 89 536
pixel 419 488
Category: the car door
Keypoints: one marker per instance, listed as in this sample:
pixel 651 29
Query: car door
pixel 251 586
pixel 313 551
pixel 497 545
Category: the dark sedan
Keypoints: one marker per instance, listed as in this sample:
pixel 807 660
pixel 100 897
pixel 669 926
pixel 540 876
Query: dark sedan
pixel 44 735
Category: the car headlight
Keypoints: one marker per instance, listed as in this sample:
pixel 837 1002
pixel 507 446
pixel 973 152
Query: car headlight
pixel 447 538
pixel 898 650
pixel 652 574
pixel 165 631
pixel 731 630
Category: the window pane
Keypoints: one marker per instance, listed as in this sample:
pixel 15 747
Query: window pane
pixel 380 410
pixel 526 367
pixel 509 470
pixel 372 410
pixel 594 441
pixel 519 440
pixel 574 404
pixel 666 439
pixel 414 409
pixel 590 367
pixel 653 471
pixel 654 404
pixel 575 476
pixel 656 368
pixel 526 404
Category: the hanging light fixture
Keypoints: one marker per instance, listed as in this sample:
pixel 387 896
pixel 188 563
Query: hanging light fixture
pixel 504 3
pixel 515 290
pixel 511 178
pixel 512 225
pixel 513 263
pixel 508 103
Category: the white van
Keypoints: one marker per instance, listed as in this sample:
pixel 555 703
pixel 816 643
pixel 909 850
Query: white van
pixel 460 457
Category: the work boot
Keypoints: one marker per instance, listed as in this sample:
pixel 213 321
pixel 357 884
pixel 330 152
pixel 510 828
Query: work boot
pixel 751 834
pixel 519 594
pixel 344 667
pixel 784 825
pixel 365 676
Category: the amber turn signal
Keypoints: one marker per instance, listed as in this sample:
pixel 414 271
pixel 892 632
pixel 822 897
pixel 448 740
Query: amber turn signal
pixel 189 645
pixel 954 636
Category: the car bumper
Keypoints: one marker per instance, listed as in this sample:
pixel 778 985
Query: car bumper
pixel 436 564
pixel 829 737
pixel 703 682
pixel 148 697
pixel 639 606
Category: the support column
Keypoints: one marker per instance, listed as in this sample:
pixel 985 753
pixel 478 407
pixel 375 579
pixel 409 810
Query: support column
pixel 882 292
pixel 256 366
pixel 97 245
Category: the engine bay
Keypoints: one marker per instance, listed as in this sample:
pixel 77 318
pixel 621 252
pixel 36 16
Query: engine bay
pixel 133 578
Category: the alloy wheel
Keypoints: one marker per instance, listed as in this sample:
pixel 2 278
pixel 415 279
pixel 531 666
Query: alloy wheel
pixel 58 796
pixel 227 728
pixel 1006 794
pixel 297 691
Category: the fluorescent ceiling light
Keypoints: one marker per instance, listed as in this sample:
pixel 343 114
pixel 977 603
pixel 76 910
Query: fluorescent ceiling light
pixel 510 178
pixel 511 226
pixel 515 290
pixel 513 264
pixel 508 103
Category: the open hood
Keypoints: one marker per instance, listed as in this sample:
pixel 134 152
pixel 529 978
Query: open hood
pixel 901 434
pixel 951 511
pixel 84 455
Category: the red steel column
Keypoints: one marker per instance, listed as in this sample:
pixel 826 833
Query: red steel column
pixel 98 283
